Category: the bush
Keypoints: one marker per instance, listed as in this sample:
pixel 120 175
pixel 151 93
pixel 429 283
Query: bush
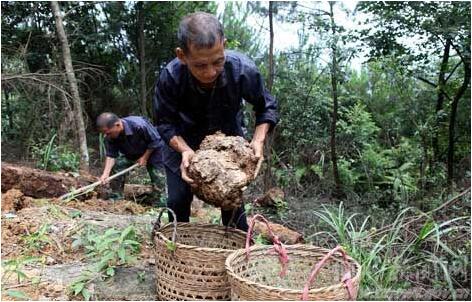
pixel 51 157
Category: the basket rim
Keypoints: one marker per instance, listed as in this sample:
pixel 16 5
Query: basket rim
pixel 161 236
pixel 237 253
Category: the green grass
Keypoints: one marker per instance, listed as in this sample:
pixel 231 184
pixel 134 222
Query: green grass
pixel 388 255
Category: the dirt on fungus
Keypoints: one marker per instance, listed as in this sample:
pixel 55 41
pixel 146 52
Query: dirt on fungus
pixel 222 168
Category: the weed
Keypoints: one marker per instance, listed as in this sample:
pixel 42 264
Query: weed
pixel 37 240
pixel 386 259
pixel 54 158
pixel 17 295
pixel 107 250
pixel 261 240
pixel 14 267
pixel 141 276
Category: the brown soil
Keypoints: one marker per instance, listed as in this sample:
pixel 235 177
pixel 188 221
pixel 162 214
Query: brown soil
pixel 222 168
pixel 41 184
pixel 284 234
pixel 118 207
pixel 23 217
pixel 14 200
pixel 271 197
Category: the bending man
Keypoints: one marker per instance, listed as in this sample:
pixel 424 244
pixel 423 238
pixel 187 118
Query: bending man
pixel 200 92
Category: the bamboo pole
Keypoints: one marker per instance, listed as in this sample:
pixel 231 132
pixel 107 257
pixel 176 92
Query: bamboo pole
pixel 95 184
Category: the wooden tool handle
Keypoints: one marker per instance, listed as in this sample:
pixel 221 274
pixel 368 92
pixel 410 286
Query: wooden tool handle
pixel 97 183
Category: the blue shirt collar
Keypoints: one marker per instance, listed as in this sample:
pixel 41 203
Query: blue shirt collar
pixel 128 130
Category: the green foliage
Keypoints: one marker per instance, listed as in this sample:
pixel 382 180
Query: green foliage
pixel 385 256
pixel 15 266
pixel 141 276
pixel 52 157
pixel 261 240
pixel 101 146
pixel 17 295
pixel 37 240
pixel 108 250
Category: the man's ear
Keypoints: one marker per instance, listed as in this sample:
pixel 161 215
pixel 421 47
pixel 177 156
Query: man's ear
pixel 225 43
pixel 180 54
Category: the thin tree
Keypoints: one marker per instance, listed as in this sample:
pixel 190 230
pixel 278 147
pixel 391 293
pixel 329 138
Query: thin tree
pixel 334 82
pixel 74 90
pixel 142 56
pixel 465 59
pixel 270 82
pixel 441 96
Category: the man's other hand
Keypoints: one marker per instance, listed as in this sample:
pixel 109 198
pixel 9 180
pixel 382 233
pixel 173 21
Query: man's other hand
pixel 258 148
pixel 104 178
pixel 142 161
pixel 186 157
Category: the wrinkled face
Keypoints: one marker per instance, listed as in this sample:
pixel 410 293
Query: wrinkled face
pixel 112 132
pixel 205 64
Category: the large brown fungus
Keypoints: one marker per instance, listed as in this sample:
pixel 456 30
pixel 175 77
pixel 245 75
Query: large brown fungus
pixel 221 168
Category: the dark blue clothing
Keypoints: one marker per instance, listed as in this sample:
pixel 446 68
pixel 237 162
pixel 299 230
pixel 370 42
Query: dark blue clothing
pixel 182 108
pixel 138 136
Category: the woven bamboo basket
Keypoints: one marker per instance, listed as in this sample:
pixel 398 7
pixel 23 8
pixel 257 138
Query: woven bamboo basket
pixel 190 259
pixel 293 272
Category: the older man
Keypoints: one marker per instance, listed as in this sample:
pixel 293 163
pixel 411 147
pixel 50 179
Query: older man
pixel 200 92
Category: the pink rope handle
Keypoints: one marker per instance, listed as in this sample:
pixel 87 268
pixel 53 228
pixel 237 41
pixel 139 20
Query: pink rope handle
pixel 347 279
pixel 278 246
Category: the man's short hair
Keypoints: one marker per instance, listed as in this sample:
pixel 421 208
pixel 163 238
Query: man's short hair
pixel 200 29
pixel 107 120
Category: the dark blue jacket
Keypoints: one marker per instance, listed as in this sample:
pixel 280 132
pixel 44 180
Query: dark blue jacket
pixel 182 108
pixel 138 136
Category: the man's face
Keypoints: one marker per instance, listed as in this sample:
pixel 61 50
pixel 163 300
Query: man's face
pixel 205 64
pixel 112 132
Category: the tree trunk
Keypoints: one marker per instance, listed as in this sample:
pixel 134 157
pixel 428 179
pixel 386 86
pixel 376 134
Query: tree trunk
pixel 270 82
pixel 84 157
pixel 452 120
pixel 8 110
pixel 441 96
pixel 334 80
pixel 142 57
pixel 268 170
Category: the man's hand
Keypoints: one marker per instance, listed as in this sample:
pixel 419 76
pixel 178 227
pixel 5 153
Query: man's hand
pixel 258 139
pixel 104 178
pixel 258 148
pixel 142 161
pixel 186 157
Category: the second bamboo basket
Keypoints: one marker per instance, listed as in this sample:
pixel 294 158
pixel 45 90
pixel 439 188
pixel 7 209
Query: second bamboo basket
pixel 293 272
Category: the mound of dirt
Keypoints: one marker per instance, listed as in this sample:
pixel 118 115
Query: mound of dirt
pixel 271 197
pixel 221 168
pixel 118 207
pixel 14 200
pixel 285 234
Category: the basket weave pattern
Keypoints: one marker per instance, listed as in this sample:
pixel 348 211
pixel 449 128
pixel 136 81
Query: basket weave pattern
pixel 258 278
pixel 293 272
pixel 195 270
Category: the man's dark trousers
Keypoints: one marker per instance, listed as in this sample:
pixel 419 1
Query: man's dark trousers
pixel 180 197
pixel 118 184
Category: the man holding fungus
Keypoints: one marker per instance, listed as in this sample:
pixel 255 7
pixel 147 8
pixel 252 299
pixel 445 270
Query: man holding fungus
pixel 201 92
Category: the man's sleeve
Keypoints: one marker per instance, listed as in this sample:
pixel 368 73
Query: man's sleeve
pixel 253 91
pixel 111 149
pixel 165 108
pixel 151 136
